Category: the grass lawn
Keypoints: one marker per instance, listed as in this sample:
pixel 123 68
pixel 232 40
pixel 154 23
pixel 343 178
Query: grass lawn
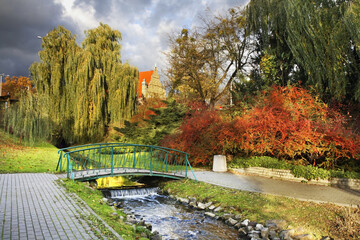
pixel 319 219
pixel 17 158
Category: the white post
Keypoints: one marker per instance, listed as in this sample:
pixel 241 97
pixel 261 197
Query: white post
pixel 219 163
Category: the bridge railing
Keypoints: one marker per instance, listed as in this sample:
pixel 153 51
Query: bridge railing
pixel 108 159
pixel 62 163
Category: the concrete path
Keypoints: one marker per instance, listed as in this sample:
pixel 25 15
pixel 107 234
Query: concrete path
pixel 34 206
pixel 300 191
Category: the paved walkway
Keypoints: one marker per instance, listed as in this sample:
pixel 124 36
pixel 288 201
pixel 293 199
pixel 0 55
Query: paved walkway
pixel 34 206
pixel 300 191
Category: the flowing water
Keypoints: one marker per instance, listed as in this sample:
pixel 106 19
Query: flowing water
pixel 170 218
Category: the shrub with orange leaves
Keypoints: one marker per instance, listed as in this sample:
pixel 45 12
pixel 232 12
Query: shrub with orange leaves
pixel 289 123
pixel 197 134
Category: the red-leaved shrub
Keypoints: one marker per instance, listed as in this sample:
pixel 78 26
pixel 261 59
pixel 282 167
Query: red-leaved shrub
pixel 197 134
pixel 290 123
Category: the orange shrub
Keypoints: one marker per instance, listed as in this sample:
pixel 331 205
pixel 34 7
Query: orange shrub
pixel 198 135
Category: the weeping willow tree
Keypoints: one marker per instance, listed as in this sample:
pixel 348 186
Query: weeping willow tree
pixel 87 88
pixel 324 39
pixel 54 80
pixel 122 104
pixel 315 42
pixel 29 118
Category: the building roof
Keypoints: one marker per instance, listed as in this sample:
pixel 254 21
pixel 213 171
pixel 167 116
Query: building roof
pixel 144 75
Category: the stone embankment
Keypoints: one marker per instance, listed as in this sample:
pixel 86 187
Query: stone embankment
pixel 272 229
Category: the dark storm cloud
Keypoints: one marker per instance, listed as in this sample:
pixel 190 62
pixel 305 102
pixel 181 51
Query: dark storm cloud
pixel 144 25
pixel 20 22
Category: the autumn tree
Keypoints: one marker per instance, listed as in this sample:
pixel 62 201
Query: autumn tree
pixel 285 122
pixel 203 62
pixel 15 86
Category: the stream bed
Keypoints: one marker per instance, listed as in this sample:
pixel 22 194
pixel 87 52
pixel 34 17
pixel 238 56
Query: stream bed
pixel 170 218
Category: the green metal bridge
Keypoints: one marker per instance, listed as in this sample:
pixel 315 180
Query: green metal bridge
pixel 99 160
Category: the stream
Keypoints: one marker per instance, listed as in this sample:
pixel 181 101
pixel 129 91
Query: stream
pixel 170 218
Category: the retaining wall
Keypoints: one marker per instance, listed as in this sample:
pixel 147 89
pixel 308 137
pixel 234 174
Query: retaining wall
pixel 283 174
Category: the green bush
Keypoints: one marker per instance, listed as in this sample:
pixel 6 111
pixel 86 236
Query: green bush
pixel 262 161
pixel 310 172
pixel 343 174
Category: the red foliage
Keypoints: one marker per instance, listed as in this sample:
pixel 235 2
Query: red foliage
pixel 287 123
pixel 198 134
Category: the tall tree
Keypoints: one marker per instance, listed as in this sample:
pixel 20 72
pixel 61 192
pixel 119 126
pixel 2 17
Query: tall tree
pixel 324 38
pixel 315 42
pixel 54 79
pixel 85 88
pixel 97 65
pixel 272 61
pixel 205 61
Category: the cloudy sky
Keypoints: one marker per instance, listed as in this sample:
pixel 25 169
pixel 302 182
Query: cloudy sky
pixel 144 24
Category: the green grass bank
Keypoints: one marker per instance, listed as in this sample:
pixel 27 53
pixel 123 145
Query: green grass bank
pixel 16 157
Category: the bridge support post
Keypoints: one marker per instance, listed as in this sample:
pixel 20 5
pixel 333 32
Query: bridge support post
pixel 186 166
pixel 99 158
pixel 68 166
pixel 151 163
pixel 60 161
pixel 166 161
pixel 112 161
pixel 134 163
